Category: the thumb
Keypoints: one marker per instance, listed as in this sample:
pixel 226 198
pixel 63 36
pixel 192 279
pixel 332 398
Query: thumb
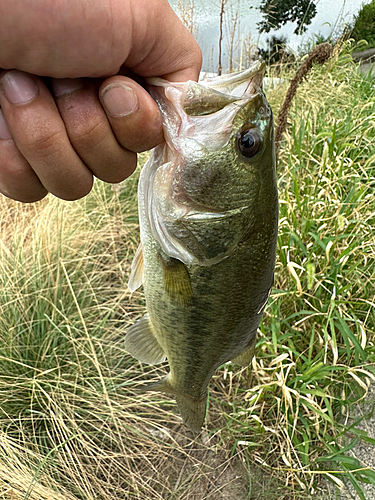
pixel 165 48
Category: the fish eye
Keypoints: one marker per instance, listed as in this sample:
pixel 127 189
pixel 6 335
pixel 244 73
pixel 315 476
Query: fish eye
pixel 249 142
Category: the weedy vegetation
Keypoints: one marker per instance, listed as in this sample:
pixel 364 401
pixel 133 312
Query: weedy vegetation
pixel 364 24
pixel 73 424
pixel 316 345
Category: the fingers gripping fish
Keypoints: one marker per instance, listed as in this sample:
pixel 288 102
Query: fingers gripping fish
pixel 208 214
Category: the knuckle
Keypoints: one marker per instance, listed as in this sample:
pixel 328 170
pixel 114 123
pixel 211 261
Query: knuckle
pixel 46 143
pixel 89 132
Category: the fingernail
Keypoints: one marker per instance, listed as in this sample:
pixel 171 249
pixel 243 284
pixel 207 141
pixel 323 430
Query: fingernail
pixel 5 134
pixel 65 86
pixel 18 87
pixel 119 100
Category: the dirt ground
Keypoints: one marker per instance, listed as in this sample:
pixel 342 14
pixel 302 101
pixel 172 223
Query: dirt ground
pixel 207 471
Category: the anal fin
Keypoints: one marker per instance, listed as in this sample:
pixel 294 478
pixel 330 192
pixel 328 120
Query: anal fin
pixel 142 344
pixel 192 410
pixel 162 385
pixel 245 358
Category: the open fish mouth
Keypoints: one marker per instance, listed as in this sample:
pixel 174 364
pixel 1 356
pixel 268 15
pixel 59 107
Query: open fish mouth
pixel 198 116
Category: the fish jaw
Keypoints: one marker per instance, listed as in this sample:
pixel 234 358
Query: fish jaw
pixel 198 117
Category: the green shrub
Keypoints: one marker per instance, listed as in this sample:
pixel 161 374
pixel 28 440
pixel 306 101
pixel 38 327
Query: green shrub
pixel 364 27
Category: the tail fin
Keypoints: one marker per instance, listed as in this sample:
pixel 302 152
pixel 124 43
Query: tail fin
pixel 193 410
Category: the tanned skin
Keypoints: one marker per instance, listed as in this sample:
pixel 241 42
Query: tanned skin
pixel 70 106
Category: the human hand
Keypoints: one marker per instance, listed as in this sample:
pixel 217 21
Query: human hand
pixel 81 116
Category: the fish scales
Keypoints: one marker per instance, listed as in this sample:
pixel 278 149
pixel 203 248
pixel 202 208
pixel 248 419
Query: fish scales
pixel 208 214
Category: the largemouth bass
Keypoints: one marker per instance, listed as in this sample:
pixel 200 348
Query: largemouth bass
pixel 208 214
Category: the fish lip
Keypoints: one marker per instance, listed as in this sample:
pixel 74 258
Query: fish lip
pixel 253 76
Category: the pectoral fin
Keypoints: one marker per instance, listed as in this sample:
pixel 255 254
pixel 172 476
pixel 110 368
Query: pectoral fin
pixel 177 282
pixel 142 344
pixel 137 271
